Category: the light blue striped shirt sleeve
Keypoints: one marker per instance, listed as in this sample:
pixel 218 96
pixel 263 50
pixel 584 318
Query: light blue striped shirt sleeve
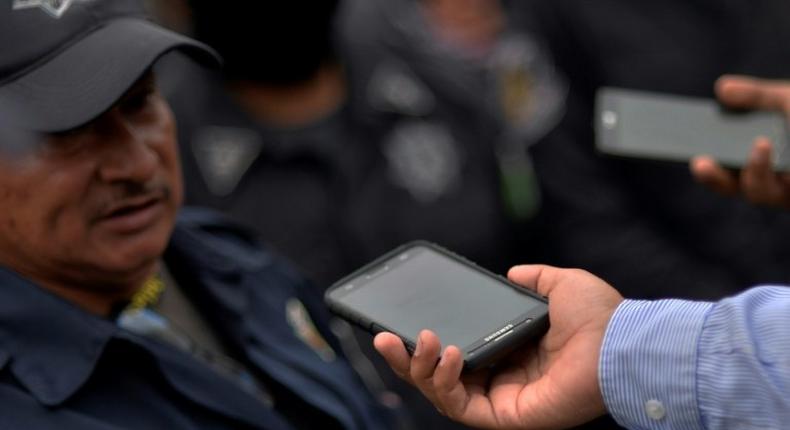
pixel 674 364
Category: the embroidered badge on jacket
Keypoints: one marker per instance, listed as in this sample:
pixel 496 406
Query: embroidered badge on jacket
pixel 305 329
pixel 56 8
pixel 223 156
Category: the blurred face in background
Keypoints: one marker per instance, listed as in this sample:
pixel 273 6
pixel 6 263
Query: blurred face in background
pixel 471 25
pixel 94 206
pixel 272 42
pixel 172 14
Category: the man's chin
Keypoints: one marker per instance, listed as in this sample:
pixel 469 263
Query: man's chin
pixel 128 257
pixel 130 261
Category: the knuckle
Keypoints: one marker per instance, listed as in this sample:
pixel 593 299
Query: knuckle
pixel 402 374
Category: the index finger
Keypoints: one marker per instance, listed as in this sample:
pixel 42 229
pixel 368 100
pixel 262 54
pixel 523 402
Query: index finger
pixel 391 348
pixel 751 93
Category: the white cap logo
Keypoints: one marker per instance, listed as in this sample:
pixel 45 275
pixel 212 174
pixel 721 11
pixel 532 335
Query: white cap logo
pixel 55 8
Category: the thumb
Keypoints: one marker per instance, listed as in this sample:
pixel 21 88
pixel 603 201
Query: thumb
pixel 536 277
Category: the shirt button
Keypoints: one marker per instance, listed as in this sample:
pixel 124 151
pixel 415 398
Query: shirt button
pixel 655 409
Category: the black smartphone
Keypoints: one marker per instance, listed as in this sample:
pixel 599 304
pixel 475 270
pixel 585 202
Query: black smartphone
pixel 677 128
pixel 421 285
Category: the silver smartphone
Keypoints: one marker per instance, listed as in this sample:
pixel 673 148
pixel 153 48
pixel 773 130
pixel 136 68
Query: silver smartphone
pixel 676 128
pixel 423 286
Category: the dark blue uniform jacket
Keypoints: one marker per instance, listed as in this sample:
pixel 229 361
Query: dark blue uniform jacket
pixel 63 368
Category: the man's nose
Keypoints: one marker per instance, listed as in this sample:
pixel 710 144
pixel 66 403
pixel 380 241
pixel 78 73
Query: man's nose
pixel 126 155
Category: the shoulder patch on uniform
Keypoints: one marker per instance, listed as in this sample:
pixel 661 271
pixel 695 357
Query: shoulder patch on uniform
pixel 55 8
pixel 395 88
pixel 530 92
pixel 423 158
pixel 304 328
pixel 223 156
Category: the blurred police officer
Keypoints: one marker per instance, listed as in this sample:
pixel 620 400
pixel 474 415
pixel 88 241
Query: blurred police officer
pixel 332 161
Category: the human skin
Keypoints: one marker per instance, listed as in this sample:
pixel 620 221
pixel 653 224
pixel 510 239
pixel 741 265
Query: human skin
pixel 88 212
pixel 472 25
pixel 757 181
pixel 551 385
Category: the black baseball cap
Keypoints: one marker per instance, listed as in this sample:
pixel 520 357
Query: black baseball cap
pixel 65 62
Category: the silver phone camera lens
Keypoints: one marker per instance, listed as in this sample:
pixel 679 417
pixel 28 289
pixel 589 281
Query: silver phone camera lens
pixel 609 119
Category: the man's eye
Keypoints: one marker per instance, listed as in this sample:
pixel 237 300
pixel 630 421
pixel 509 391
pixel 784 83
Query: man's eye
pixel 137 102
pixel 68 135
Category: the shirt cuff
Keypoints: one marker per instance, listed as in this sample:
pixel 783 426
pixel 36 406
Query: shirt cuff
pixel 647 370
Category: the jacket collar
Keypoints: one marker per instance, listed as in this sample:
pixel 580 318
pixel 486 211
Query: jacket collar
pixel 209 250
pixel 50 345
pixel 219 247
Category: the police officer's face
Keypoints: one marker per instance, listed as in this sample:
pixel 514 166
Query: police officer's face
pixel 469 24
pixel 94 206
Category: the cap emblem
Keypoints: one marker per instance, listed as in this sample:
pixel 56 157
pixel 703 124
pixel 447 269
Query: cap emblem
pixel 55 8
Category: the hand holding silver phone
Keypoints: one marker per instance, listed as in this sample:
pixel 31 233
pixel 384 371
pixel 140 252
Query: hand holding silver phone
pixel 677 128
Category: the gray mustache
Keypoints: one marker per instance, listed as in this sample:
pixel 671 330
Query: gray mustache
pixel 132 190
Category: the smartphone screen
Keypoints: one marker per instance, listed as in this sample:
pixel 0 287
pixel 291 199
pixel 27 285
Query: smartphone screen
pixel 677 128
pixel 421 287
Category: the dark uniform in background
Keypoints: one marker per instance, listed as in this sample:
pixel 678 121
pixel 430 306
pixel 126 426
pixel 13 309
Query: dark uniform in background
pixel 504 90
pixel 413 153
pixel 646 226
pixel 336 194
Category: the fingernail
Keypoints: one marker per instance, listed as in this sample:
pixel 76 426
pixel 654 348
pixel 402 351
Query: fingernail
pixel 418 348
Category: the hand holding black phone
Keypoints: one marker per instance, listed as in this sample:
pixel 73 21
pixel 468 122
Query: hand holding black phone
pixel 423 286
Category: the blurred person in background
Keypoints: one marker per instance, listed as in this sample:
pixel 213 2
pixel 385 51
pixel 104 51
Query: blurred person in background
pixel 336 151
pixel 360 157
pixel 171 14
pixel 117 309
pixel 647 227
pixel 470 55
